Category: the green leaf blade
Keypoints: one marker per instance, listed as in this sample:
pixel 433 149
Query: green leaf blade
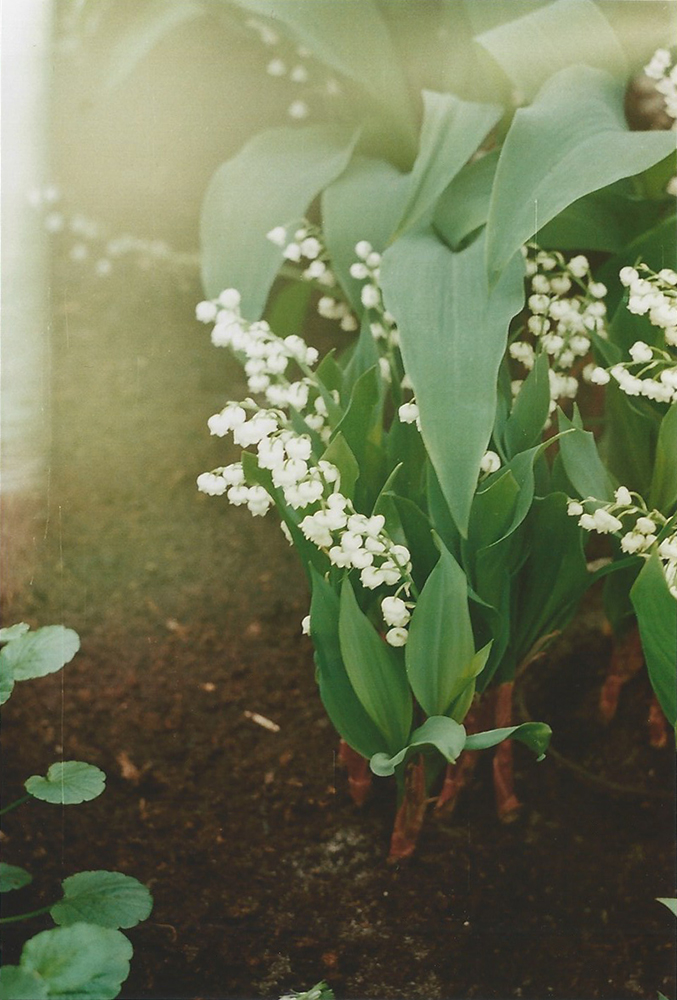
pixel 67 782
pixel 438 733
pixel 36 654
pixel 81 962
pixel 656 611
pixel 107 899
pixel 12 877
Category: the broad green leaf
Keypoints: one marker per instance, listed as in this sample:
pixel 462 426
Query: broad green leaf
pixel 6 681
pixel 440 650
pixel 437 733
pixel 376 672
pixel 362 428
pixel 338 696
pixel 352 39
pixel 554 576
pixel 656 611
pixel 670 903
pixel 531 48
pixel 663 490
pixel 82 962
pixel 484 16
pixel 36 654
pixel 418 538
pixel 581 460
pixel 607 219
pixel 340 455
pixel 572 140
pixel 364 355
pixel 524 426
pixel 269 183
pixel 13 631
pixel 453 333
pixel 452 131
pixel 21 984
pixel 13 877
pixel 493 510
pixel 629 440
pixel 464 205
pixel 364 203
pixel 67 783
pixel 108 899
pixel 288 309
pixel 535 735
pixel 135 35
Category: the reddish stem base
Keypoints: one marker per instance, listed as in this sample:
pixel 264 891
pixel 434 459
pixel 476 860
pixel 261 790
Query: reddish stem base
pixel 507 803
pixel 410 815
pixel 458 775
pixel 626 660
pixel 359 775
pixel 658 726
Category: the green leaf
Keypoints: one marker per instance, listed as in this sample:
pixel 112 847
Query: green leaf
pixel 350 38
pixel 663 491
pixel 437 733
pixel 36 654
pixel 108 899
pixel 135 35
pixel 524 426
pixel 82 962
pixel 269 183
pixel 656 611
pixel 21 984
pixel 464 205
pixel 364 203
pixel 13 631
pixel 453 334
pixel 582 464
pixel 375 670
pixel 362 428
pixel 13 877
pixel 669 902
pixel 364 355
pixel 572 140
pixel 67 783
pixel 440 650
pixel 289 307
pixel 452 131
pixel 338 696
pixel 565 33
pixel 535 735
pixel 340 455
pixel 6 681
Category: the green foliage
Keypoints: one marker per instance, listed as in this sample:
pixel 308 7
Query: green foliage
pixel 657 618
pixel 67 783
pixel 269 183
pixel 13 877
pixel 33 654
pixel 453 332
pixel 81 962
pixel 572 140
pixel 108 899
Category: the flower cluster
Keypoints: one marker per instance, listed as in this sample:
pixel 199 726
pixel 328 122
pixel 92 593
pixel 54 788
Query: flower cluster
pixel 367 268
pixel 355 541
pixel 637 527
pixel 296 65
pixel 307 247
pixel 566 308
pixel 663 70
pixel 652 370
pixel 266 359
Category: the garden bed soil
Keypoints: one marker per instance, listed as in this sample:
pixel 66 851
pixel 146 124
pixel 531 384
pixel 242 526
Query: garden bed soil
pixel 264 873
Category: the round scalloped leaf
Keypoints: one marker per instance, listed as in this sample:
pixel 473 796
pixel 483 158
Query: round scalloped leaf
pixel 79 962
pixel 67 783
pixel 36 654
pixel 6 681
pixel 13 631
pixel 21 984
pixel 109 899
pixel 13 877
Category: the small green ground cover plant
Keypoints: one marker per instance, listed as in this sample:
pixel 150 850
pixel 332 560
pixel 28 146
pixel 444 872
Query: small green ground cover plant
pixel 85 957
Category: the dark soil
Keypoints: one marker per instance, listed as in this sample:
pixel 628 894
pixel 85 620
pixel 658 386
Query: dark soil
pixel 265 876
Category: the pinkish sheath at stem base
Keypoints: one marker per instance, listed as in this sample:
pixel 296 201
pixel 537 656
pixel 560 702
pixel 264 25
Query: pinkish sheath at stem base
pixel 359 775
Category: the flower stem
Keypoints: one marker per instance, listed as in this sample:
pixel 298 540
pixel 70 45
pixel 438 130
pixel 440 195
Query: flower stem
pixel 26 916
pixel 13 805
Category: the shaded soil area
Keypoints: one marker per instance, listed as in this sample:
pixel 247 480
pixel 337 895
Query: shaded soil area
pixel 265 876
